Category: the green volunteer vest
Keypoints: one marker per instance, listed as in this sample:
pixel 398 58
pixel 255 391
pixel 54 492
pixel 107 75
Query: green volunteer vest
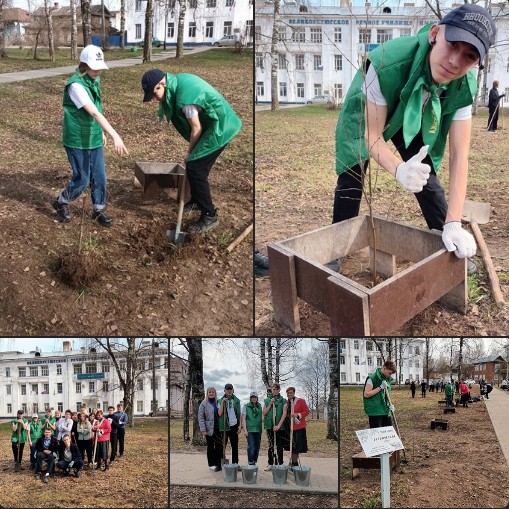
pixel 280 404
pixel 219 122
pixel 377 405
pixel 80 129
pixel 35 430
pixel 449 389
pixel 236 408
pixel 399 64
pixel 43 423
pixel 254 417
pixel 23 434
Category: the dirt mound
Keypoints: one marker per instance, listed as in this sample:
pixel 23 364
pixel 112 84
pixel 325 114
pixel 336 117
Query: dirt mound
pixel 80 269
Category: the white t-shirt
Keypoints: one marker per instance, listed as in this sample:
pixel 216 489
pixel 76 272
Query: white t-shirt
pixel 78 95
pixel 191 110
pixel 232 418
pixel 371 87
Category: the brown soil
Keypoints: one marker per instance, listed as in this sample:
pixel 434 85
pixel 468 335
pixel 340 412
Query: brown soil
pixel 80 269
pixel 184 496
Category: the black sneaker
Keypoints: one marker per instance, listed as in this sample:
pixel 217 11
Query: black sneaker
pixel 204 224
pixel 218 469
pixel 46 478
pixel 102 218
pixel 67 472
pixel 76 473
pixel 190 206
pixel 38 476
pixel 64 216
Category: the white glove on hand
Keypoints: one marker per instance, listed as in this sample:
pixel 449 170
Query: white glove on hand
pixel 71 464
pixel 383 385
pixel 392 408
pixel 413 174
pixel 456 239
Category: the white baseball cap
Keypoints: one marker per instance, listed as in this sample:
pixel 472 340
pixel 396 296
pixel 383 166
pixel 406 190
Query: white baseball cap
pixel 93 56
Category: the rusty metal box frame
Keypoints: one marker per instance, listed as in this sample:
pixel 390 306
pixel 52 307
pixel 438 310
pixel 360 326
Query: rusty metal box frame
pixel 298 271
pixel 155 176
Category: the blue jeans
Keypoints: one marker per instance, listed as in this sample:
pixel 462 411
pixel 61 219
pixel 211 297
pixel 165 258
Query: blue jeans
pixel 448 400
pixel 88 170
pixel 253 446
pixel 33 454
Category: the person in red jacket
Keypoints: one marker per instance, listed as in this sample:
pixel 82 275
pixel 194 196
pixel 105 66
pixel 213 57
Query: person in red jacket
pixel 465 393
pixel 300 412
pixel 102 428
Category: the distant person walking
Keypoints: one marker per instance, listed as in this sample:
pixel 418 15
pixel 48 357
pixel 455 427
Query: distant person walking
pixel 464 390
pixel 449 393
pixel 423 389
pixel 494 107
pixel 376 404
pixel 412 388
pixel 489 388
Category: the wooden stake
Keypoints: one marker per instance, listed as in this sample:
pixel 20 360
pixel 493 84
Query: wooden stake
pixel 240 238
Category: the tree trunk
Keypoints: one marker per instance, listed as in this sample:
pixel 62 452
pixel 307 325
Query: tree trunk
pixel 74 31
pixel 147 47
pixel 122 24
pixel 332 403
pixel 180 31
pixel 49 21
pixel 263 366
pixel 274 92
pixel 460 361
pixel 86 21
pixel 3 54
pixel 103 23
pixel 270 367
pixel 196 377
pixel 187 397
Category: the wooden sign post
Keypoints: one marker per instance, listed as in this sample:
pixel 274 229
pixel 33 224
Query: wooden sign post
pixel 381 441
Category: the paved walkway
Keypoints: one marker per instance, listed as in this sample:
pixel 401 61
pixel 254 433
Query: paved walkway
pixel 192 470
pixel 11 77
pixel 498 409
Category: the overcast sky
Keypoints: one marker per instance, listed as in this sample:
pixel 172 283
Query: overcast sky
pixel 227 364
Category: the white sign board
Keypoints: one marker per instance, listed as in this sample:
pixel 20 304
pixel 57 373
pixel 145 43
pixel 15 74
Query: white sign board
pixel 378 441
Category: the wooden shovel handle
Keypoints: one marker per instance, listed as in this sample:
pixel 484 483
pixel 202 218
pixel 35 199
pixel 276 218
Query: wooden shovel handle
pixel 488 262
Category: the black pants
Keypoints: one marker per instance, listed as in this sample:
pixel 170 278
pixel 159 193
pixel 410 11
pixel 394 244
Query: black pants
pixel 214 448
pixel 113 442
pixel 120 438
pixel 280 437
pixel 64 465
pixel 15 451
pixel 45 457
pixel 493 119
pixel 413 394
pixel 198 176
pixel 348 193
pixel 379 421
pixel 234 440
pixel 85 445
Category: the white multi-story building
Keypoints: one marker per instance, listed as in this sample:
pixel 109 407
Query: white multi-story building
pixel 64 380
pixel 358 358
pixel 320 48
pixel 205 21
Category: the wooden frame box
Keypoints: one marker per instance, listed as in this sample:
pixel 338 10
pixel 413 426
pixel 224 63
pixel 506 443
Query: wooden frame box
pixel 155 176
pixel 298 271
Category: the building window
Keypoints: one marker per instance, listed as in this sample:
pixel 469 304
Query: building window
pixel 259 88
pixel 8 388
pixel 365 36
pixel 337 34
pixel 138 31
pixel 417 351
pixel 299 62
pixel 78 387
pixel 44 370
pixel 192 29
pixel 338 62
pixel 282 92
pixel 338 91
pixel 318 88
pixel 45 388
pixel 59 369
pixel 171 31
pixel 370 361
pixel 91 368
pixel 23 390
pixel 59 388
pixel 489 64
pixel 34 371
pixel 410 364
pixel 378 362
pixel 249 28
pixel 258 34
pixel 383 35
pixel 405 32
pixel 193 4
pixel 78 369
pixel 299 35
pixel 342 343
pixel 139 406
pixel 24 408
pixel 105 367
pixel 209 29
pixel 356 360
pixel 91 387
pixel 343 376
pixel 138 5
pixel 78 405
pixel 316 34
pixel 139 385
pixel 357 377
pixel 369 346
pixel 105 386
pixel 22 372
pixel 417 365
pixel 211 4
pixel 229 3
pixel 9 408
pixel 282 64
pixel 317 63
pixel 356 344
pixel 60 407
pixel 342 359
pixel 283 34
pixel 122 367
pixel 300 90
pixel 227 29
pixel 35 389
pixel 7 372
pixel 259 60
pixel 152 385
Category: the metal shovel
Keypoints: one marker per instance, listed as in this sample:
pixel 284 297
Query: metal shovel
pixel 177 236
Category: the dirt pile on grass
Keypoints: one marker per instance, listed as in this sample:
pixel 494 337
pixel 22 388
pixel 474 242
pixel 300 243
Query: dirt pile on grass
pixel 80 269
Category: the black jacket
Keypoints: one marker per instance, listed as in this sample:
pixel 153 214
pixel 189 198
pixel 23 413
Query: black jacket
pixel 115 420
pixel 53 447
pixel 74 451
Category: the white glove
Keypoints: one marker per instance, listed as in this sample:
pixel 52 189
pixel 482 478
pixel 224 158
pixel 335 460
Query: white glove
pixel 392 408
pixel 383 385
pixel 413 174
pixel 71 464
pixel 456 239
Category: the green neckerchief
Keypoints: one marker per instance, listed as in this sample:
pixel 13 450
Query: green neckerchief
pixel 415 119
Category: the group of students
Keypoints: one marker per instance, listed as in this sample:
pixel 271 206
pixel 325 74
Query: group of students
pixel 225 416
pixel 63 441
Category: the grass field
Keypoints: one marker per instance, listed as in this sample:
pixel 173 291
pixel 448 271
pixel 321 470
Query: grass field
pixel 138 479
pixel 316 431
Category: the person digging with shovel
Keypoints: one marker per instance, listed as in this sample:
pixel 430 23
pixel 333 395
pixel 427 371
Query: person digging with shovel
pixel 230 424
pixel 275 426
pixel 20 426
pixel 204 118
pixel 416 91
pixel 297 410
pixel 376 404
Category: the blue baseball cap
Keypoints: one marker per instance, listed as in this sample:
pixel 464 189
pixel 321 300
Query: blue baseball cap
pixel 149 81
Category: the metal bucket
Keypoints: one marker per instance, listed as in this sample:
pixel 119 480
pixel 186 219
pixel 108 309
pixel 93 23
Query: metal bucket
pixel 230 472
pixel 249 474
pixel 302 475
pixel 280 474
